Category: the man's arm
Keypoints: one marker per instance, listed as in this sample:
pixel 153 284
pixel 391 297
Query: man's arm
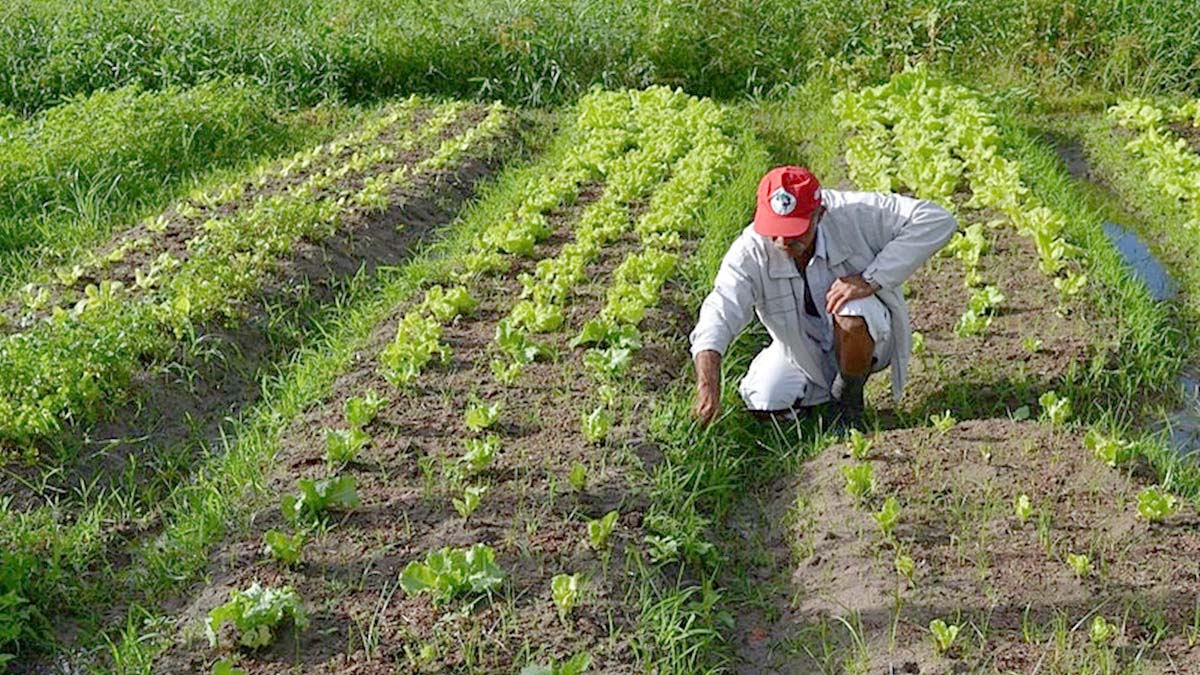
pixel 918 228
pixel 708 386
pixel 726 312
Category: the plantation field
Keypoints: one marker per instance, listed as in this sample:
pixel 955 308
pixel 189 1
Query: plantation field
pixel 325 351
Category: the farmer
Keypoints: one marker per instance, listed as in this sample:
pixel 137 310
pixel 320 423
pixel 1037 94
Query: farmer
pixel 822 269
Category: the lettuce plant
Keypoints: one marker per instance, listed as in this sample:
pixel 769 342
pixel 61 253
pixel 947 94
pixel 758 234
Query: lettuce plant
pixel 1154 504
pixel 255 614
pixel 860 480
pixel 943 635
pixel 362 410
pixel 576 665
pixel 600 529
pixel 286 549
pixel 566 589
pixel 343 445
pixel 450 572
pixel 596 424
pixel 317 497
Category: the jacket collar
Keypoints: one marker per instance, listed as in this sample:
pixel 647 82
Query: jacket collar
pixel 780 265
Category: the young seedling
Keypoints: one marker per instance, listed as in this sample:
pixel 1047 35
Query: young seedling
pixel 318 497
pixel 943 422
pixel 343 445
pixel 1154 504
pixel 1022 507
pixel 918 343
pixel 480 453
pixel 226 667
pixel 600 529
pixel 905 566
pixel 1055 409
pixel 480 417
pixel 1101 631
pixel 859 444
pixel 576 665
pixel 887 516
pixel 1108 449
pixel 608 364
pixel 255 613
pixel 472 495
pixel 1081 564
pixel 565 589
pixel 578 476
pixel 943 635
pixel 506 373
pixel 362 410
pixel 286 549
pixel 860 480
pixel 596 424
pixel 1032 344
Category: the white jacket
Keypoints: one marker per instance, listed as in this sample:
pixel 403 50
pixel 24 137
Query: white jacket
pixel 885 237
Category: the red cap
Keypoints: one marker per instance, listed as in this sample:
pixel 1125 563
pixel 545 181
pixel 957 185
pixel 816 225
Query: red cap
pixel 787 198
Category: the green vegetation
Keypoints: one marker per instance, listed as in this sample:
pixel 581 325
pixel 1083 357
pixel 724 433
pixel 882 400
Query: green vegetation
pixel 467 410
pixel 256 613
pixel 539 51
pixel 451 572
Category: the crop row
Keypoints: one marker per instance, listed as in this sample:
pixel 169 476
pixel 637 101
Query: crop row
pixel 72 355
pixel 1167 161
pixel 660 147
pixel 935 139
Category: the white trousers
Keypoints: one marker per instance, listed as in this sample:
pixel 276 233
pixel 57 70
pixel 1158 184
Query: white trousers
pixel 774 382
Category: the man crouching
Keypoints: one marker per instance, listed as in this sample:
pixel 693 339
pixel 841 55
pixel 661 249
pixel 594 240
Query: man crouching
pixel 822 269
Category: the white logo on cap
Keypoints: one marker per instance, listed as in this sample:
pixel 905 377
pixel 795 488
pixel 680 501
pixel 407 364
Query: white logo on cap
pixel 782 202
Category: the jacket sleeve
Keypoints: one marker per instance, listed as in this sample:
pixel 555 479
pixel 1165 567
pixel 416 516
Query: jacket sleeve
pixel 730 306
pixel 915 230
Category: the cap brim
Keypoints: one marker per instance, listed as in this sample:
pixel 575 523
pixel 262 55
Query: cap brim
pixel 771 225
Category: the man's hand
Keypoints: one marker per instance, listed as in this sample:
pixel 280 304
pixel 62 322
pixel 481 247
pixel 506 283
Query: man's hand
pixel 846 289
pixel 708 387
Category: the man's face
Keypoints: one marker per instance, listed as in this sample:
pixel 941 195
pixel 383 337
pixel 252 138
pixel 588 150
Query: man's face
pixel 799 247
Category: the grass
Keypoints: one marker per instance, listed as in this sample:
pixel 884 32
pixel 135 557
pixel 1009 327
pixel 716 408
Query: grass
pixel 538 51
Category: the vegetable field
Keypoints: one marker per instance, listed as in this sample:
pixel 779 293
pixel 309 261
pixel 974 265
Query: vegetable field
pixel 326 352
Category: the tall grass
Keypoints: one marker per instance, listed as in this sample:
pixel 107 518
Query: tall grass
pixel 544 51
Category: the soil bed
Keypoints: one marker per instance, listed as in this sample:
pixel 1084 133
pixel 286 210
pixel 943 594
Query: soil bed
pixel 531 516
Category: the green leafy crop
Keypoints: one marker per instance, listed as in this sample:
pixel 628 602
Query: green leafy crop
pixel 255 614
pixel 887 516
pixel 576 665
pixel 320 496
pixel 286 549
pixel 1154 504
pixel 596 424
pixel 362 410
pixel 480 417
pixel 566 589
pixel 943 635
pixel 343 445
pixel 860 480
pixel 450 572
pixel 600 529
